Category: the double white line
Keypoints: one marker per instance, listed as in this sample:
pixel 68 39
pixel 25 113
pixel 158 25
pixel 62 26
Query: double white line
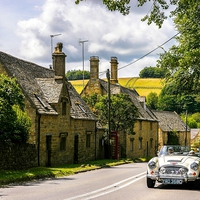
pixel 111 188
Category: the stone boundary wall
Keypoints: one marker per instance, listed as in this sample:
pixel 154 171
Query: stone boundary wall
pixel 17 156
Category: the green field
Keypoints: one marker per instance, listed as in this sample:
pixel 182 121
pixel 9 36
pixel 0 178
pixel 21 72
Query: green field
pixel 142 85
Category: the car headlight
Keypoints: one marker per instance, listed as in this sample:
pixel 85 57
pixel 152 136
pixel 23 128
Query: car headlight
pixel 152 165
pixel 182 171
pixel 194 166
pixel 162 170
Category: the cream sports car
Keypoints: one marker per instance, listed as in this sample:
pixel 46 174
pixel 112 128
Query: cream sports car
pixel 174 165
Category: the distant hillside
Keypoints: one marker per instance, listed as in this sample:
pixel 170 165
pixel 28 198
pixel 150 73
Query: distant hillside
pixel 142 85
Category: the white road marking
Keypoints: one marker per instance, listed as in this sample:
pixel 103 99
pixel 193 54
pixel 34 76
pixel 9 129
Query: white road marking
pixel 111 188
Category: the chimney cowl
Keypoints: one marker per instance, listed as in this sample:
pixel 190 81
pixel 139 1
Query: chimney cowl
pixel 113 58
pixel 58 48
pixel 94 57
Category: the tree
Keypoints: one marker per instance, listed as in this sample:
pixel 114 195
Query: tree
pixel 157 13
pixel 152 72
pixel 182 60
pixel 152 100
pixel 123 112
pixel 196 117
pixel 173 138
pixel 171 99
pixel 193 120
pixel 14 123
pixel 167 102
pixel 77 75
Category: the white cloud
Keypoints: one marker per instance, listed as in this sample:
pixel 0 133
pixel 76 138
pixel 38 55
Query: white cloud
pixel 71 48
pixel 109 34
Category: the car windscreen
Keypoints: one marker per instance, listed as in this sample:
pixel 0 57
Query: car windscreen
pixel 177 150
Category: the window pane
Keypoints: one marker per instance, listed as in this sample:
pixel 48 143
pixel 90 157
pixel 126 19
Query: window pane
pixel 63 143
pixel 88 140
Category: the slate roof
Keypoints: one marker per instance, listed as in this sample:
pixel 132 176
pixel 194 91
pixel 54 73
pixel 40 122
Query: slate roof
pixel 50 88
pixel 170 121
pixel 41 87
pixel 144 112
pixel 79 109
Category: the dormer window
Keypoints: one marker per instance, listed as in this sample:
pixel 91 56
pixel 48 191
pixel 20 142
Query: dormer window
pixel 64 106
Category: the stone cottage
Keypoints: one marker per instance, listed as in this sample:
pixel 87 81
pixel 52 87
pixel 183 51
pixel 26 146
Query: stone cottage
pixel 145 141
pixel 64 130
pixel 171 127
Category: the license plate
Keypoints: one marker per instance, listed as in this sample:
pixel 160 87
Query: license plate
pixel 172 181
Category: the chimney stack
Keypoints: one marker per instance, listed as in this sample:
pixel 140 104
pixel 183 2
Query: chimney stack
pixel 142 100
pixel 114 70
pixel 94 68
pixel 59 60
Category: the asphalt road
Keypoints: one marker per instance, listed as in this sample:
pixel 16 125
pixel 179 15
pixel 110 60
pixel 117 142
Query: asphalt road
pixel 124 182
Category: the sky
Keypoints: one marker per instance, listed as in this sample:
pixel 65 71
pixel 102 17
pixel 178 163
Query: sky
pixel 27 25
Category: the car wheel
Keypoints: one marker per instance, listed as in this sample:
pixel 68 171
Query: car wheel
pixel 150 183
pixel 195 184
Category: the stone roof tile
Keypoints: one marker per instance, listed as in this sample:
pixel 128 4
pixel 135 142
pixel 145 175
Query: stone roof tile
pixel 144 112
pixel 42 87
pixel 170 121
pixel 79 108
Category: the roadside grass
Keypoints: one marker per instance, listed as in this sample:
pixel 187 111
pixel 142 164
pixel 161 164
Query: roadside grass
pixel 17 176
pixel 40 173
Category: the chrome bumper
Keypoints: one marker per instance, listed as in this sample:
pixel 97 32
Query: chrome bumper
pixel 184 178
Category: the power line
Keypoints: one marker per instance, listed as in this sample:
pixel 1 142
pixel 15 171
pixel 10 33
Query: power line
pixel 101 73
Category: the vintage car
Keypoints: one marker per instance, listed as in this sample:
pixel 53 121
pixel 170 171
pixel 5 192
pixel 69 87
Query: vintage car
pixel 174 165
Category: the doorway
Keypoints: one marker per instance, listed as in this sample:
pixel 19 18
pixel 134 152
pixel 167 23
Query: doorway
pixel 76 149
pixel 48 150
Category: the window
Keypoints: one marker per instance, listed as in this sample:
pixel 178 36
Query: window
pixel 64 101
pixel 140 142
pixel 87 140
pixel 63 143
pixel 64 107
pixel 151 126
pixel 151 143
pixel 63 138
pixel 140 125
pixel 131 144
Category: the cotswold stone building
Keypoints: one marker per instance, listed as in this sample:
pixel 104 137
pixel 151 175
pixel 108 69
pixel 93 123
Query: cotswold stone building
pixel 172 127
pixel 145 141
pixel 64 130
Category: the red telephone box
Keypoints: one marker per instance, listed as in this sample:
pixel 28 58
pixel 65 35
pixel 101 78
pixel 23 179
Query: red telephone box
pixel 114 145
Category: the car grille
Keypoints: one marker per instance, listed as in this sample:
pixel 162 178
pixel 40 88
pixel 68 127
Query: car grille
pixel 173 170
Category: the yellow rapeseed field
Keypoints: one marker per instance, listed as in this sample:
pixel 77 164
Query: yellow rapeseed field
pixel 142 85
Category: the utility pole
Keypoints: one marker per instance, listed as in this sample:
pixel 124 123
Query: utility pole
pixel 82 42
pixel 109 132
pixel 186 128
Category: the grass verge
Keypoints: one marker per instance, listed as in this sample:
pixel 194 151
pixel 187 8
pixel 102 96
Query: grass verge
pixel 17 176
